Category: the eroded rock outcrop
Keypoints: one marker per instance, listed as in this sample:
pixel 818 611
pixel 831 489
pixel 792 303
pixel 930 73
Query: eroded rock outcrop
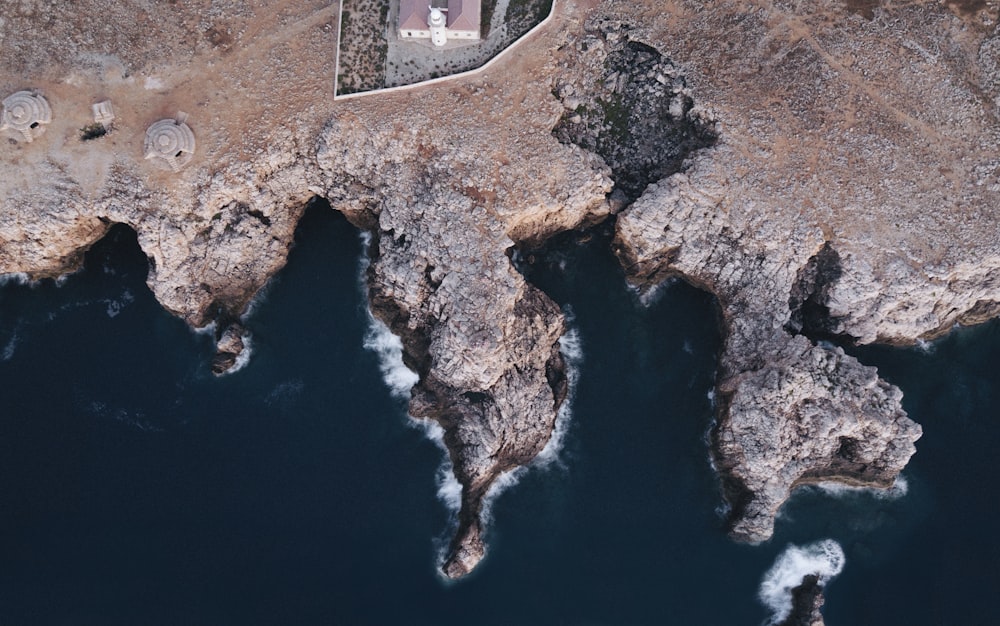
pixel 791 411
pixel 853 192
pixel 629 104
pixel 807 600
pixel 218 230
pixel 827 209
pixel 484 342
pixel 447 179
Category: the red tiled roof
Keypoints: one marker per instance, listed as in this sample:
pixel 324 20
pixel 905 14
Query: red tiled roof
pixel 463 14
pixel 413 14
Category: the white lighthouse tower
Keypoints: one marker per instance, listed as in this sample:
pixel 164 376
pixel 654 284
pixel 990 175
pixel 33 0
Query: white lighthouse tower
pixel 437 23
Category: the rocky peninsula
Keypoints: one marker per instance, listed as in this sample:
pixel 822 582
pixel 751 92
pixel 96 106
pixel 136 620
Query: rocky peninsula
pixel 829 170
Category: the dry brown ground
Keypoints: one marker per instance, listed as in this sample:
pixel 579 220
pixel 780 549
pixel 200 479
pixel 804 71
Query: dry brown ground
pixel 237 68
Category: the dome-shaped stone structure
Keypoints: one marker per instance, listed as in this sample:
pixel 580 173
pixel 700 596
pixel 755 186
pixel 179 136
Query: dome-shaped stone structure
pixel 27 113
pixel 170 142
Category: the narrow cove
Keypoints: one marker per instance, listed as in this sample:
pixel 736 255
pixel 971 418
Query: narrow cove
pixel 138 488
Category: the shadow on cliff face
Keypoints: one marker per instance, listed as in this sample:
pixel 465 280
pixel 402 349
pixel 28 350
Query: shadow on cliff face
pixel 637 116
pixel 810 315
pixel 809 298
pixel 119 252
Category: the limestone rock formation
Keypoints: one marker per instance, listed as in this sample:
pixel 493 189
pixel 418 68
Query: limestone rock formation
pixel 215 232
pixel 828 209
pixel 791 411
pixel 448 180
pixel 807 600
pixel 483 341
pixel 838 177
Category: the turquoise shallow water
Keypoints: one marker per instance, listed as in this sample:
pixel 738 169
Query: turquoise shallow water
pixel 137 488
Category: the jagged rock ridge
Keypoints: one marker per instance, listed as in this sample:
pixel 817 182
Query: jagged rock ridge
pixel 638 115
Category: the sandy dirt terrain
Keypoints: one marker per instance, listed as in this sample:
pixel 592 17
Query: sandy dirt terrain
pixel 236 69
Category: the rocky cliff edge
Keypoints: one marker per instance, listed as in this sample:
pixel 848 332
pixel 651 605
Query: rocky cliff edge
pixel 844 186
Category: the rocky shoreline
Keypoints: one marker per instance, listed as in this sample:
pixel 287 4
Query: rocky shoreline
pixel 766 169
pixel 807 600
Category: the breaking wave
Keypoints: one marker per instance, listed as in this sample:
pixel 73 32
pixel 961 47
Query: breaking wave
pixel 927 347
pixel 388 347
pixel 571 348
pixel 449 490
pixel 258 299
pixel 114 307
pixel 824 559
pixel 243 357
pixel 838 490
pixel 8 350
pixel 62 279
pixel 207 329
pixel 16 278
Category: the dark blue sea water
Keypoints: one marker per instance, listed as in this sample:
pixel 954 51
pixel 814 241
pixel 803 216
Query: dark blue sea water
pixel 136 488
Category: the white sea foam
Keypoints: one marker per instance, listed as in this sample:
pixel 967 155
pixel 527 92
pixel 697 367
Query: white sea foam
pixel 114 307
pixel 927 347
pixel 838 490
pixel 243 357
pixel 207 329
pixel 824 559
pixel 501 483
pixel 258 299
pixel 389 350
pixel 652 295
pixel 15 278
pixel 64 278
pixel 449 490
pixel 388 347
pixel 571 348
pixel 8 350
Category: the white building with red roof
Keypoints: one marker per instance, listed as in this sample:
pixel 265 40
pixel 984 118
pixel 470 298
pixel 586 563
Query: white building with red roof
pixel 441 21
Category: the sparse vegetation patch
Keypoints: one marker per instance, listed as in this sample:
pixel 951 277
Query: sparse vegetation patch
pixel 92 131
pixel 363 45
pixel 637 116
